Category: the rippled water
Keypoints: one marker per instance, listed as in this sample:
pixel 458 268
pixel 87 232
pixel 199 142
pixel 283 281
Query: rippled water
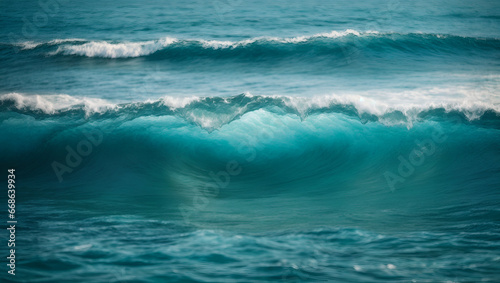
pixel 231 141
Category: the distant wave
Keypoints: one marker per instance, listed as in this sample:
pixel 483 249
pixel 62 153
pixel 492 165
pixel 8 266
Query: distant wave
pixel 214 112
pixel 27 45
pixel 335 42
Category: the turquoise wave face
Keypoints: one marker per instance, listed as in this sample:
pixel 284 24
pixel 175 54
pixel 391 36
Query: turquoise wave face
pixel 249 195
pixel 208 162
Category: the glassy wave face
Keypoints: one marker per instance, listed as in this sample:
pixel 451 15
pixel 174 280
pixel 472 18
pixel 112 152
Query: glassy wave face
pixel 255 185
pixel 231 141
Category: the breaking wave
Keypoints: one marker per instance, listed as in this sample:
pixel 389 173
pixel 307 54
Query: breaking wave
pixel 335 42
pixel 213 112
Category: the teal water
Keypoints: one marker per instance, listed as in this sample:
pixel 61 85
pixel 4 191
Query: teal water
pixel 229 141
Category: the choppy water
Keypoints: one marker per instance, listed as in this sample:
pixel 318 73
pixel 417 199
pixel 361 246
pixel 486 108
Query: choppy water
pixel 253 142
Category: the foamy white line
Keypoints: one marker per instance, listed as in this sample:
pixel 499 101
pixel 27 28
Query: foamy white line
pixel 32 45
pixel 115 50
pixel 51 104
pixel 178 102
pixel 216 44
pixel 135 49
pixel 106 49
pixel 471 110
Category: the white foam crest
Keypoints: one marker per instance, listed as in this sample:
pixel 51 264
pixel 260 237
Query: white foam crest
pixel 207 122
pixel 116 50
pixel 410 103
pixel 216 44
pixel 211 121
pixel 27 45
pixel 136 49
pixel 107 49
pixel 50 104
pixel 362 104
pixel 178 102
pixel 336 34
pixel 332 34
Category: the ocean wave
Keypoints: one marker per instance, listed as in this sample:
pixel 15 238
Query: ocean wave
pixel 28 45
pixel 171 146
pixel 213 112
pixel 323 43
pixel 54 104
pixel 115 50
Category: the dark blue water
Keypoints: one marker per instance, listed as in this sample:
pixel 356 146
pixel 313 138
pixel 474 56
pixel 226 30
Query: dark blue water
pixel 229 141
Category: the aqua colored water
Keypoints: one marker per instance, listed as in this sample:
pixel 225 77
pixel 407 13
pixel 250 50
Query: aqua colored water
pixel 233 141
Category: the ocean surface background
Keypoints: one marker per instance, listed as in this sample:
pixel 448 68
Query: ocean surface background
pixel 263 141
